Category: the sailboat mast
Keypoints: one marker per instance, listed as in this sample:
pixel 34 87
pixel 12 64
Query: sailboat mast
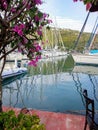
pixel 76 43
pixel 91 44
pixel 92 36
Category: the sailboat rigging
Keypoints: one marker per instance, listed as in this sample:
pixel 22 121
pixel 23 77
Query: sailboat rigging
pixel 88 57
pixel 55 47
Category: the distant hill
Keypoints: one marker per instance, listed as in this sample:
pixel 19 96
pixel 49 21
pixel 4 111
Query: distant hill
pixel 69 37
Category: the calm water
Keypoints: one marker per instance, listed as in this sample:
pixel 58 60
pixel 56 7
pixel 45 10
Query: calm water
pixel 52 86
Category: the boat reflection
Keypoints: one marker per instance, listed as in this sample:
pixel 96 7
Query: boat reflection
pixel 52 86
pixel 94 83
pixel 90 73
pixel 12 79
pixel 53 65
pixel 93 70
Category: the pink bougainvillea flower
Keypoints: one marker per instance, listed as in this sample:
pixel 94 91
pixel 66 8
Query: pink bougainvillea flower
pixel 38 48
pixel 20 32
pixel 29 6
pixel 38 2
pixel 39 32
pixel 19 29
pixel 45 15
pixel 75 0
pixel 38 57
pixel 23 2
pixel 33 63
pixel 32 50
pixel 37 18
pixel 88 6
pixel 22 26
pixel 13 10
pixel 49 21
pixel 5 5
pixel 25 40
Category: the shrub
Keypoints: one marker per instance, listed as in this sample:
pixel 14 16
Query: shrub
pixel 9 121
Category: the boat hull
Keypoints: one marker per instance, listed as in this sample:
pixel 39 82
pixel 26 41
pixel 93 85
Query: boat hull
pixel 13 72
pixel 85 59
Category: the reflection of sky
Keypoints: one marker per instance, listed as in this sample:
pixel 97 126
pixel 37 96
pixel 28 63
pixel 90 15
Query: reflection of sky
pixel 51 88
pixel 57 92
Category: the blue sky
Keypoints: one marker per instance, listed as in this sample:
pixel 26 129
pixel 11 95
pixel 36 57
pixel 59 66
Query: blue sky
pixel 67 14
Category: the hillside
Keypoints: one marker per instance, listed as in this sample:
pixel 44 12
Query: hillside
pixel 68 38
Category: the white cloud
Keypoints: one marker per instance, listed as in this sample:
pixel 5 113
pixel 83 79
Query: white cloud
pixel 62 22
pixel 65 19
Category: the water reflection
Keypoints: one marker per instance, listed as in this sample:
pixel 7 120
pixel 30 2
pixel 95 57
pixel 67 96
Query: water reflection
pixel 94 83
pixel 53 85
pixel 78 85
pixel 10 80
pixel 88 81
pixel 53 65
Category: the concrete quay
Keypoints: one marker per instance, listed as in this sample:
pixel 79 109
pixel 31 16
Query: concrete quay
pixel 55 121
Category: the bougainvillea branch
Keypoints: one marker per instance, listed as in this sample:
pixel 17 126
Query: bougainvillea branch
pixel 21 24
pixel 90 4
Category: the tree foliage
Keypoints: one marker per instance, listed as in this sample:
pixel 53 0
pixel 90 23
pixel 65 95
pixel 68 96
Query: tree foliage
pixel 21 24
